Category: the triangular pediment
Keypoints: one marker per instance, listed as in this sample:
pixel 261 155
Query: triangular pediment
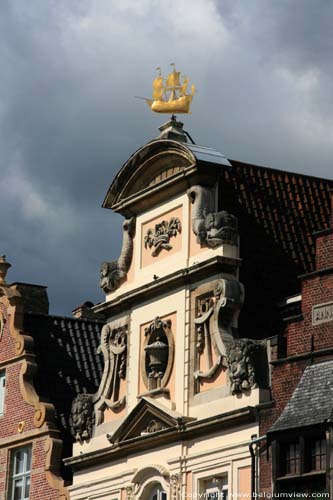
pixel 146 419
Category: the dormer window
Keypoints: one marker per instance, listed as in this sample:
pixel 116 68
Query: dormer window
pixel 293 458
pixel 318 454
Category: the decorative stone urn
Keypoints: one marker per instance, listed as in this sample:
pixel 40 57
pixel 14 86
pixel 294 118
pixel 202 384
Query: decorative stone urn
pixel 4 266
pixel 157 353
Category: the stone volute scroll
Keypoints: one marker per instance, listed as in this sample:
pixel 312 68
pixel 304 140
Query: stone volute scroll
pixel 210 227
pixel 216 332
pixel 113 346
pixel 88 409
pixel 112 273
pixel 157 355
pixel 216 325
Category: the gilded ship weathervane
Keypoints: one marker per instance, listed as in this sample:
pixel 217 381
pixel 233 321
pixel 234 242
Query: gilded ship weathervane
pixel 170 94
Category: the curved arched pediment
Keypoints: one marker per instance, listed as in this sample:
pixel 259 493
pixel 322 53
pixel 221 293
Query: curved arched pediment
pixel 149 471
pixel 151 165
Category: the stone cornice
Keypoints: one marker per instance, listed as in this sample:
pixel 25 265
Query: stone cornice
pixel 184 431
pixel 181 277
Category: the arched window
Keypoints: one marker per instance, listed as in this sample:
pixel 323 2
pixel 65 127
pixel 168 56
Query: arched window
pixel 157 493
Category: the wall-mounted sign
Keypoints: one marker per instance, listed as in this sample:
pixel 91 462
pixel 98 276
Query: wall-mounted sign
pixel 322 313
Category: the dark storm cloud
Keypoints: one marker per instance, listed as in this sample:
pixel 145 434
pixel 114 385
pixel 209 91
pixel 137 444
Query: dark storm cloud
pixel 68 118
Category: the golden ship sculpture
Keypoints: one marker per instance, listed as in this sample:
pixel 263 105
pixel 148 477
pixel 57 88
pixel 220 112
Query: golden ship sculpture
pixel 170 94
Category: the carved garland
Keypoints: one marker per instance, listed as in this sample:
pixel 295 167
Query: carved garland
pixel 159 237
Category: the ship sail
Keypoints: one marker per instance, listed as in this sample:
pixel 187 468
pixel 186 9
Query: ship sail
pixel 158 88
pixel 173 79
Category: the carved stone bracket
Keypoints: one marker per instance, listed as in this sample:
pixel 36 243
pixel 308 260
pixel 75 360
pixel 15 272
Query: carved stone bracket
pixel 211 228
pixel 82 417
pixel 247 363
pixel 112 273
pixel 159 237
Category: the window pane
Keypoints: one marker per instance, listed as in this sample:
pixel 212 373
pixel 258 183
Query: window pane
pixel 20 469
pixel 27 488
pixel 318 452
pixel 212 495
pixel 18 489
pixel 19 462
pixel 28 460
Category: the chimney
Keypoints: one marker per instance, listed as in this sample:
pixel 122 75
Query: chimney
pixel 84 311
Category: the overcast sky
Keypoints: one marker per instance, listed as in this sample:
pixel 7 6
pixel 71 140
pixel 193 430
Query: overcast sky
pixel 68 118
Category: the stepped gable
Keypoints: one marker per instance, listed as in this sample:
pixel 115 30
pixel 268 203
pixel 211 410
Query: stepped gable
pixel 66 357
pixel 290 206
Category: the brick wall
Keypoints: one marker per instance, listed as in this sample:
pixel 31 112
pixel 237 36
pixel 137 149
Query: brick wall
pixel 305 343
pixel 18 413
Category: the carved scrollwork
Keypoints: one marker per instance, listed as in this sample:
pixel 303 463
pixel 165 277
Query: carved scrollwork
pixel 113 346
pixel 210 227
pixel 112 273
pixel 216 325
pixel 82 417
pixel 158 238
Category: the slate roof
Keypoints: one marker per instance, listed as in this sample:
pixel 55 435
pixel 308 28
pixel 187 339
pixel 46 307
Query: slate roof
pixel 290 206
pixel 67 361
pixel 312 400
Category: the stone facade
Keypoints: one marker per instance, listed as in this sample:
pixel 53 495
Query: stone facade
pixel 188 373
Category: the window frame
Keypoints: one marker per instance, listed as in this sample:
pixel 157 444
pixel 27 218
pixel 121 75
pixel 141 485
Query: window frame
pixel 219 487
pixel 293 458
pixel 321 456
pixel 24 476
